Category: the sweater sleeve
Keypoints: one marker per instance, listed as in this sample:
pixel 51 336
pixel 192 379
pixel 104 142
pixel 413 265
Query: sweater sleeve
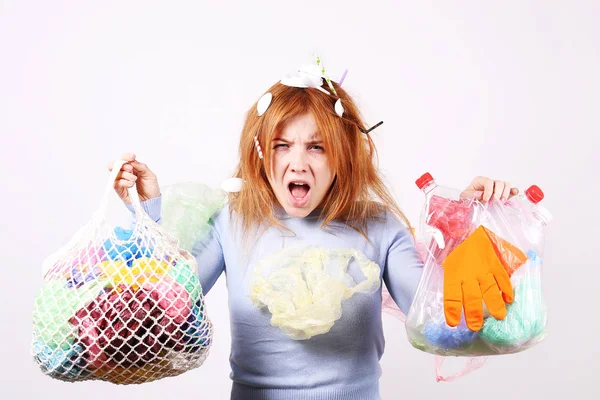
pixel 403 266
pixel 208 251
pixel 152 207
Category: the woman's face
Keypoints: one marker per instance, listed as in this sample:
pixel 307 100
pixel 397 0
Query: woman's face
pixel 300 172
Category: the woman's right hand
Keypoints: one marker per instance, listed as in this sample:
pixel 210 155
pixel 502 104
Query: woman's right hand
pixel 134 172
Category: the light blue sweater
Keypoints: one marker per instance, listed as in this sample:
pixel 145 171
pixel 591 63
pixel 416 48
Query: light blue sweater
pixel 340 364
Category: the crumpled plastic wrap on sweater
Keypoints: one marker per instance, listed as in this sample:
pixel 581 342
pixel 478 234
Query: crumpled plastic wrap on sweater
pixel 304 288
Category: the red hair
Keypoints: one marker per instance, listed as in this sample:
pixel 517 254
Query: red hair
pixel 357 194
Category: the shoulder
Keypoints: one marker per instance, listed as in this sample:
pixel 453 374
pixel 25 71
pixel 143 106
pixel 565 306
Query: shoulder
pixel 382 224
pixel 383 217
pixel 226 222
pixel 221 218
pixel 395 231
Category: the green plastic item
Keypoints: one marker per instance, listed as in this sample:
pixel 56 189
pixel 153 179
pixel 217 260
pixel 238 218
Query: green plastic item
pixel 525 317
pixel 187 209
pixel 56 304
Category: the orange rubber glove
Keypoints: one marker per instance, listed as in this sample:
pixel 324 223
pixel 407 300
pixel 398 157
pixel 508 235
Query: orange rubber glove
pixel 479 269
pixel 510 256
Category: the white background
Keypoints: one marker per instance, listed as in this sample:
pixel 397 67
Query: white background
pixel 509 90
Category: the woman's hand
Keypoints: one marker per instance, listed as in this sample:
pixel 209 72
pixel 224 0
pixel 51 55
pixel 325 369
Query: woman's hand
pixel 134 172
pixel 483 189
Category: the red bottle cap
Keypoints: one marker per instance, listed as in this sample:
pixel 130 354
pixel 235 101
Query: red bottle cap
pixel 534 194
pixel 424 180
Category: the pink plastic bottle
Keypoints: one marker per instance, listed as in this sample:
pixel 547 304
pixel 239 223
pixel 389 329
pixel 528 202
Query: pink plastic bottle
pixel 445 216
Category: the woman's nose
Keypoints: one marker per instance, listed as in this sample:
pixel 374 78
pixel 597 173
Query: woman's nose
pixel 299 161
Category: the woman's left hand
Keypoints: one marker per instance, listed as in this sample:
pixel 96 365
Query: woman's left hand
pixel 483 189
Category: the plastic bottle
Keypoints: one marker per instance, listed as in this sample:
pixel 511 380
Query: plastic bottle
pixel 444 222
pixel 430 187
pixel 533 214
pixel 535 195
pixel 444 216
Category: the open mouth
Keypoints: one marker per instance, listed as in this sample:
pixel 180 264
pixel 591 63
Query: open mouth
pixel 299 193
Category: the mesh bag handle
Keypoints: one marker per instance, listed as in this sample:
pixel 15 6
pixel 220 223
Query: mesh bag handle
pixel 100 215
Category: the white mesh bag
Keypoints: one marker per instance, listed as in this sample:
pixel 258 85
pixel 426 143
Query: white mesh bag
pixel 122 306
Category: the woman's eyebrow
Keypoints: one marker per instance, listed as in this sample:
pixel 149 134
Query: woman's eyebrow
pixel 315 138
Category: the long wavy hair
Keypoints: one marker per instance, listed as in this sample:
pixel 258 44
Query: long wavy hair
pixel 357 194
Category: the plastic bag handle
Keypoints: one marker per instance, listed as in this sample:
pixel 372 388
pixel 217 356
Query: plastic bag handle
pixel 50 261
pixel 472 364
pixel 131 192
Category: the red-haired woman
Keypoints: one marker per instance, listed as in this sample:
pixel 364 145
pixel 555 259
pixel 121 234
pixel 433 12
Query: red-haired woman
pixel 315 214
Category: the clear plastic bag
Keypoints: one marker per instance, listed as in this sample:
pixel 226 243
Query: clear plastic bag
pixel 465 233
pixel 186 209
pixel 122 306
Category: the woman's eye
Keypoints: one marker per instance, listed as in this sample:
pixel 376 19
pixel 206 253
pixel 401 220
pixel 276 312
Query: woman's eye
pixel 279 145
pixel 319 148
